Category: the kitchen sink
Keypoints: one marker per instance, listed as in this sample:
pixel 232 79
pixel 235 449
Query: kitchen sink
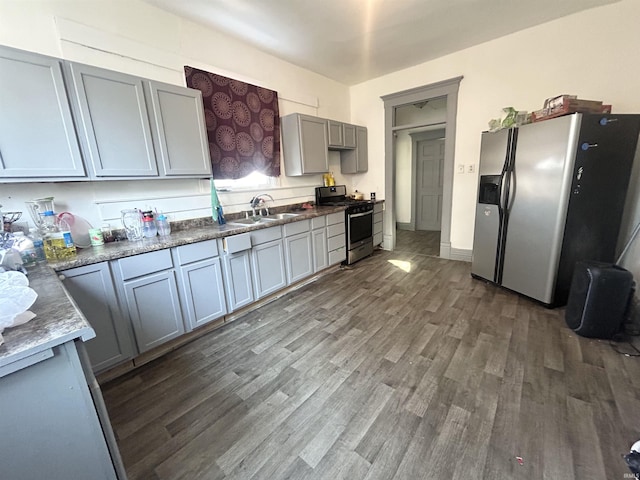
pixel 281 216
pixel 252 221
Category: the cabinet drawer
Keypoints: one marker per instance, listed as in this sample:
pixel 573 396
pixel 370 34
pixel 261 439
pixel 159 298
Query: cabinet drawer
pixel 334 218
pixel 337 256
pixel 377 228
pixel 145 263
pixel 377 238
pixel 378 207
pixel 237 243
pixel 265 235
pixel 296 227
pixel 336 242
pixel 377 217
pixel 337 229
pixel 318 222
pixel 196 251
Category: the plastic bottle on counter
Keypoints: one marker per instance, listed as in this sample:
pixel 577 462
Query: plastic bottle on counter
pixel 38 245
pixel 24 246
pixel 149 229
pixel 164 227
pixel 58 244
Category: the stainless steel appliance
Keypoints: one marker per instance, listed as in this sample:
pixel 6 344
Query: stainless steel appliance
pixel 358 220
pixel 551 194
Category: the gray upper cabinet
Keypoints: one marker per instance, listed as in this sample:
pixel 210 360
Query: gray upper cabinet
pixel 37 136
pixel 356 161
pixel 182 148
pixel 92 289
pixel 305 144
pixel 114 123
pixel 341 135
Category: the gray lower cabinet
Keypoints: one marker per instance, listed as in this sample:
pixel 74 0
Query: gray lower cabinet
pixel 92 289
pixel 377 223
pixel 37 135
pixel 298 251
pixel 268 268
pixel 49 423
pixel 177 114
pixel 305 144
pixel 147 284
pixel 200 281
pixel 319 243
pixel 236 258
pixel 357 160
pixel 336 238
pixel 237 279
pixel 154 309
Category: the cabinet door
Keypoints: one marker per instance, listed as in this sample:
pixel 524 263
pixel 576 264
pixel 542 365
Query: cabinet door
pixel 268 268
pixel 335 131
pixel 356 161
pixel 180 137
pixel 92 289
pixel 313 135
pixel 304 144
pixel 203 292
pixel 298 256
pixel 320 249
pixel 349 134
pixel 154 309
pixel 114 122
pixel 37 136
pixel 237 279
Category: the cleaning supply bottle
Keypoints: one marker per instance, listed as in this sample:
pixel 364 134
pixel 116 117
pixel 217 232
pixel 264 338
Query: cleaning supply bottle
pixel 149 229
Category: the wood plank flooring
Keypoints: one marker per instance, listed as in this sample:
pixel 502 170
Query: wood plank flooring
pixel 399 367
pixel 418 242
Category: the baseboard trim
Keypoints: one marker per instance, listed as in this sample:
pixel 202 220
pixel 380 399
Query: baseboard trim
pixel 445 250
pixel 405 226
pixel 461 254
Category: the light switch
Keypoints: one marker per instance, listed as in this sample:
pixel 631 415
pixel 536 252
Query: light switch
pixel 460 168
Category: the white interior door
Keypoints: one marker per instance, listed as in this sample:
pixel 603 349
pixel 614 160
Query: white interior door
pixel 429 167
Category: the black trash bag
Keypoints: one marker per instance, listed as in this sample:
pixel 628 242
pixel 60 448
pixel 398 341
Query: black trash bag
pixel 633 461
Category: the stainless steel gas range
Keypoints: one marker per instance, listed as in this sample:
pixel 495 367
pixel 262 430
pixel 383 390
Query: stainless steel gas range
pixel 358 220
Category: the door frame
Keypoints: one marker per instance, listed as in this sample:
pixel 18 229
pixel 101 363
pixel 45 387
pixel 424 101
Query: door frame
pixel 446 88
pixel 415 139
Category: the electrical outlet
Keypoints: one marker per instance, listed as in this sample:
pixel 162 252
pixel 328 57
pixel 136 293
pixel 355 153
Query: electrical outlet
pixel 471 168
pixel 460 168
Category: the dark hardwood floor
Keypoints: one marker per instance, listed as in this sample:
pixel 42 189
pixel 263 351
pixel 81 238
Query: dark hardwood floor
pixel 399 367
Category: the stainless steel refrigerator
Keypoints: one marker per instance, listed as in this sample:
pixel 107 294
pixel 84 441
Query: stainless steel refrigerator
pixel 550 194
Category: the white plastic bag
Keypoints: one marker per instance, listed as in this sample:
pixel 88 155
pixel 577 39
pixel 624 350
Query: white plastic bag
pixel 15 300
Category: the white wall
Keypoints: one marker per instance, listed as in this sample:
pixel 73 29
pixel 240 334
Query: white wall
pixel 593 54
pixel 133 37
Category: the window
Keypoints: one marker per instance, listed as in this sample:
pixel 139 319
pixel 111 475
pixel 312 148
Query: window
pixel 250 182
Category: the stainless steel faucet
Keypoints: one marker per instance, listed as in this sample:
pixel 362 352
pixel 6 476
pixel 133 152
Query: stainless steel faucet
pixel 260 200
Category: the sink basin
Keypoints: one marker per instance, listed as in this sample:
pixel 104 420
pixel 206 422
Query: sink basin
pixel 282 216
pixel 251 221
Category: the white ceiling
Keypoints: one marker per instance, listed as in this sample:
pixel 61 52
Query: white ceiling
pixel 352 41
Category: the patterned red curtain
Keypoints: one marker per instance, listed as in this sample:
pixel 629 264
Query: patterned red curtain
pixel 243 125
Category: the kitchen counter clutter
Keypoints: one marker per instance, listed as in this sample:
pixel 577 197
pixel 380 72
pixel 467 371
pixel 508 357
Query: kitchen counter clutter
pixel 57 321
pixel 205 230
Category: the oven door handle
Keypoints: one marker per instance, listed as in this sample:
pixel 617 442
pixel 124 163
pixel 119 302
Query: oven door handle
pixel 355 215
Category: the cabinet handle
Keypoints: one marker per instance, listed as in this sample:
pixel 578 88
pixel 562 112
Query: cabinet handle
pixel 62 277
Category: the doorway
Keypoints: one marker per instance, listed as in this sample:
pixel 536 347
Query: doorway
pixel 447 90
